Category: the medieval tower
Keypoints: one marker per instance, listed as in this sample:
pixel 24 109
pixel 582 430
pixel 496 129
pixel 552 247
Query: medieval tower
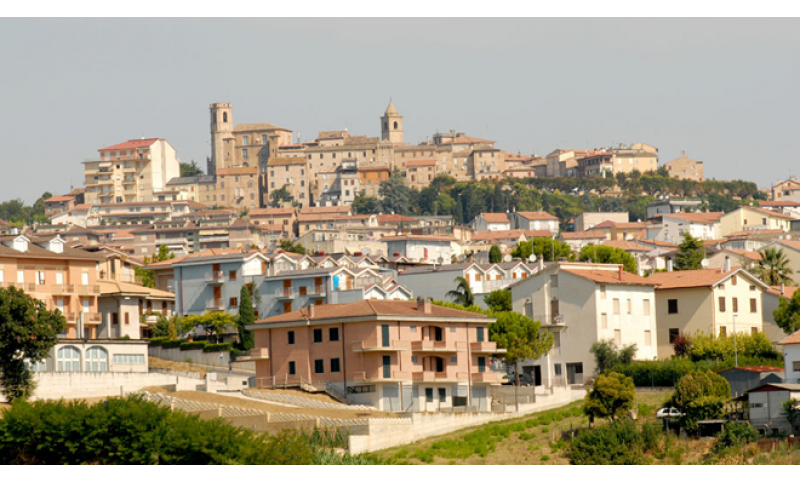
pixel 392 125
pixel 221 136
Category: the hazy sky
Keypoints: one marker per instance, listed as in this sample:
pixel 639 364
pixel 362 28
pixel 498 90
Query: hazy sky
pixel 726 91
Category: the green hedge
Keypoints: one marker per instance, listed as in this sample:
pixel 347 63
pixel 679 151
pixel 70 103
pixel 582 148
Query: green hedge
pixel 218 347
pixel 193 345
pixel 172 343
pixel 157 341
pixel 135 431
pixel 234 353
pixel 666 373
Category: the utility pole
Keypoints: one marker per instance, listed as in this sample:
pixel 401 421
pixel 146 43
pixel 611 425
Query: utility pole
pixel 735 352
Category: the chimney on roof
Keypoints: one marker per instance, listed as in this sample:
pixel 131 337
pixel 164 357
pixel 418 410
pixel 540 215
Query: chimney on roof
pixel 727 264
pixel 424 305
pixel 311 311
pixel 783 289
pixel 620 273
pixel 540 263
pixel 669 265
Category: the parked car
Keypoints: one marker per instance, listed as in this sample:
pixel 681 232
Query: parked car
pixel 670 412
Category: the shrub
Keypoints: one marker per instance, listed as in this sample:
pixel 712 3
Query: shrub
pixel 735 435
pixel 666 373
pixel 612 396
pixel 700 395
pixel 618 443
pixel 157 341
pixel 192 345
pixel 172 343
pixel 218 347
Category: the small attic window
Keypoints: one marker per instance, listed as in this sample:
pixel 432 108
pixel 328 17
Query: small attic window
pixel 20 244
pixel 56 246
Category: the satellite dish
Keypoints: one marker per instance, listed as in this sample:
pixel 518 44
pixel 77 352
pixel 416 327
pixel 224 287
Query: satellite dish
pixel 366 250
pixel 507 258
pixel 440 260
pixel 532 258
pixel 704 263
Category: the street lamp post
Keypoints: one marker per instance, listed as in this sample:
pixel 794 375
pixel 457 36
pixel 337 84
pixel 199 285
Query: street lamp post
pixel 735 352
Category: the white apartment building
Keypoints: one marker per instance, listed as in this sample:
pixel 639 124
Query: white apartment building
pixel 581 304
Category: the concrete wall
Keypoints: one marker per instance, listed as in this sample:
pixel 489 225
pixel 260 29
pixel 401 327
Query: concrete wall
pixel 217 359
pixel 87 385
pixel 766 410
pixel 791 361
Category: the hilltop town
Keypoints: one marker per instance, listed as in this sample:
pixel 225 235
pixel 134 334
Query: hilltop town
pixel 361 275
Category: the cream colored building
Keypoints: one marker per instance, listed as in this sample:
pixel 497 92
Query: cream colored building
pixel 289 172
pixel 130 172
pixel 711 301
pixel 623 159
pixel 753 218
pixel 685 168
pixel 237 187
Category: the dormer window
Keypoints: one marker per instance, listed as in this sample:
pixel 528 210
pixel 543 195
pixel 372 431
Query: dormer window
pixel 20 244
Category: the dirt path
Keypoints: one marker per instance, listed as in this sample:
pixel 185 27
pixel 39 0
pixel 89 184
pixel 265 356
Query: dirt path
pixel 233 401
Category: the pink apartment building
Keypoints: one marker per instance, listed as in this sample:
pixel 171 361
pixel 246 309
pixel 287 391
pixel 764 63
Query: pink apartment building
pixel 393 355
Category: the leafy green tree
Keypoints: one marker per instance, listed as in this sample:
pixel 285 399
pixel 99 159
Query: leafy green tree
pixel 167 327
pixel 543 247
pixel 787 315
pixel 700 395
pixel 247 316
pixel 462 294
pixel 612 396
pixel 148 277
pixel 607 355
pixel 690 254
pixel 520 336
pixel 395 195
pixel 280 197
pixel 362 204
pixel 498 300
pixel 495 256
pixel 288 246
pixel 791 410
pixel 773 268
pixel 27 332
pixel 214 324
pixel 705 347
pixel 604 254
pixel 190 169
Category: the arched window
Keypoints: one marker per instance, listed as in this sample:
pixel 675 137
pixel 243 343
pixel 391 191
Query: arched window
pixel 214 117
pixel 385 126
pixel 224 117
pixel 68 359
pixel 395 125
pixel 96 360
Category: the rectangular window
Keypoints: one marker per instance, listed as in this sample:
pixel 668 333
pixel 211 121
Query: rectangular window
pixel 317 335
pixel 616 307
pixel 481 364
pixel 672 306
pixel 646 307
pixel 319 366
pixel 673 334
pixel 721 304
pixel 234 302
pixel 604 321
pixel 557 369
pixel 442 395
pixel 735 304
pixel 796 366
pixel 385 336
pixel 753 330
pixel 127 318
pixel 335 365
pixel 40 278
pixel 292 368
pixel 618 337
pixel 480 334
pixel 387 366
pixel 602 292
pixel 231 275
pixel 554 280
pixel 333 334
pixel 429 395
pixel 290 334
pixel 84 278
pixel 20 276
pixel 557 339
pixel 647 340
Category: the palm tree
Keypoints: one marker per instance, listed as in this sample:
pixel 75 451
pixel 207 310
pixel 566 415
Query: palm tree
pixel 463 294
pixel 773 268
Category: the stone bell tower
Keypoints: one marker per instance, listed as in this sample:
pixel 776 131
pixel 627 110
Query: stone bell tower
pixel 392 125
pixel 221 136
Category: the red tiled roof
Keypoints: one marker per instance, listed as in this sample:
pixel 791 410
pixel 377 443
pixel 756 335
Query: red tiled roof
pixel 415 163
pixel 495 218
pixel 793 339
pixel 238 170
pixel 779 203
pixel 611 276
pixel 754 369
pixel 589 234
pixel 687 279
pixel 394 218
pixel 540 215
pixel 697 217
pixel 627 246
pixel 59 198
pixel 131 144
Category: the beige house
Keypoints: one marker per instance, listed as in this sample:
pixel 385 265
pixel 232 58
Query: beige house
pixel 711 301
pixel 623 159
pixel 238 187
pixel 786 190
pixel 287 172
pixel 685 168
pixel 130 171
pixel 587 220
pixel 753 218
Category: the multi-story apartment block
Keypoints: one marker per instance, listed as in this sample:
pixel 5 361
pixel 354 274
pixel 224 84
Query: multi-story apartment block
pixel 289 172
pixel 200 188
pixel 491 221
pixel 536 221
pixel 700 225
pixel 714 301
pixel 623 159
pixel 139 212
pixel 788 189
pixel 237 187
pixel 582 304
pixel 393 355
pixel 282 219
pixel 587 220
pixel 435 282
pixel 58 204
pixel 130 171
pixel 429 249
pixel 753 218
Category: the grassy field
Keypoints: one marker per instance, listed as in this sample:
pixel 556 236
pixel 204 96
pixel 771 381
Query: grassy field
pixel 533 439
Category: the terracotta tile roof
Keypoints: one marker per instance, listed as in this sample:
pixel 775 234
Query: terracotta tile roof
pixel 81 207
pixel 238 170
pixel 370 307
pixel 340 209
pixel 713 242
pixel 611 277
pixel 432 238
pixel 770 213
pixel 688 279
pixel 589 234
pixel 495 218
pixel 537 234
pixel 794 244
pixel 786 291
pixel 415 163
pixel 697 217
pixel 756 256
pixel 748 233
pixel 394 218
pixel 266 212
pixel 626 245
pixel 779 203
pixel 287 160
pixel 257 127
pixel 793 339
pixel 131 144
pixel 516 157
pixel 116 287
pixel 498 234
pixel 659 243
pixel 59 198
pixel 755 369
pixel 540 215
pixel 460 140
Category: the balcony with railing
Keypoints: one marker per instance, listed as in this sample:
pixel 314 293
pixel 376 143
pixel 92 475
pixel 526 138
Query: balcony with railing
pixel 487 377
pixel 255 354
pixel 375 345
pixel 488 347
pixel 215 305
pixel 62 288
pixel 316 291
pixel 89 289
pixel 378 376
pixel 438 376
pixel 215 277
pixel 429 346
pixel 550 321
pixel 285 293
pixel 92 318
pixel 71 317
